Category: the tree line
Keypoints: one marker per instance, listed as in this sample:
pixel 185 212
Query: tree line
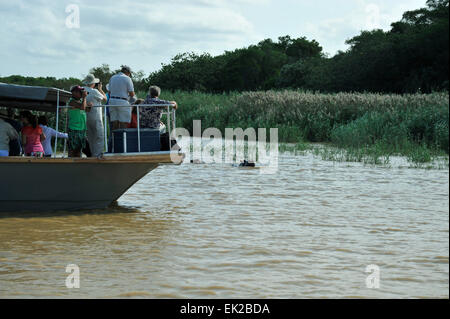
pixel 411 57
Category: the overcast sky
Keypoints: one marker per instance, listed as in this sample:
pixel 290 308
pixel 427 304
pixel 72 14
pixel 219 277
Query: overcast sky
pixel 42 37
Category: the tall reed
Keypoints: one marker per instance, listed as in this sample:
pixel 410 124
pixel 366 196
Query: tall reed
pixel 398 123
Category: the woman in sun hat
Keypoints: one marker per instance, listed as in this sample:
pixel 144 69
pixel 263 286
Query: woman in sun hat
pixel 94 117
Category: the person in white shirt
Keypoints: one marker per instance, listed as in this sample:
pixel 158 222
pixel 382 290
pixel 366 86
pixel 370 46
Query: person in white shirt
pixel 7 133
pixel 94 117
pixel 121 89
pixel 49 133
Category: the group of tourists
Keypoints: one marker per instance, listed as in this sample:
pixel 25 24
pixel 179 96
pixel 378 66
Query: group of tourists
pixel 86 120
pixel 85 131
pixel 30 136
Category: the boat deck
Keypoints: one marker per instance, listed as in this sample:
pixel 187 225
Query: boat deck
pixel 151 157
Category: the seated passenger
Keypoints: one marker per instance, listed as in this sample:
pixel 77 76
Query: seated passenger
pixel 15 147
pixel 49 133
pixel 7 134
pixel 32 135
pixel 151 117
pixel 133 123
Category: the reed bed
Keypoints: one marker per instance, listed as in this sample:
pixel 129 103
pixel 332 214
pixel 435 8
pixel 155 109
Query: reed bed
pixel 414 125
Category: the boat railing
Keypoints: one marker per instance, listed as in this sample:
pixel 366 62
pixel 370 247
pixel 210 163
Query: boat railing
pixel 168 109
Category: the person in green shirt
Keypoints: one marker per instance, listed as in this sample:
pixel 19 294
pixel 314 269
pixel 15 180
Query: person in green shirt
pixel 77 121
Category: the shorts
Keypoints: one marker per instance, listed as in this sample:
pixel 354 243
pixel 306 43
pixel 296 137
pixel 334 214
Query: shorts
pixel 76 140
pixel 121 114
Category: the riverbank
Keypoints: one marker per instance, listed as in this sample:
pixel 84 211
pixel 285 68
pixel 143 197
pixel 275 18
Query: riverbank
pixel 361 125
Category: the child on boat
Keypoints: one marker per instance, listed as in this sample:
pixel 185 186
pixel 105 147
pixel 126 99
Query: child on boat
pixel 32 135
pixel 77 121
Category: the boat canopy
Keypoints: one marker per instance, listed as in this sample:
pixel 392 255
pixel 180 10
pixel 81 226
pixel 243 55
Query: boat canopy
pixel 37 98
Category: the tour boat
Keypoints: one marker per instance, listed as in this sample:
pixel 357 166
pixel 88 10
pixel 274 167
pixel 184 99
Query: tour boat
pixel 65 184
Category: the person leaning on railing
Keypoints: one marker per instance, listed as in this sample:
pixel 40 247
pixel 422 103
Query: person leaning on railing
pixel 150 117
pixel 49 133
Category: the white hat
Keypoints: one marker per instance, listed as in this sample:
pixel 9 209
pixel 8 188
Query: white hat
pixel 132 99
pixel 4 112
pixel 126 68
pixel 90 79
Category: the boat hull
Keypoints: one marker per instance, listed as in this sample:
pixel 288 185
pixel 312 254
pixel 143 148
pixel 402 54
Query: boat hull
pixel 65 184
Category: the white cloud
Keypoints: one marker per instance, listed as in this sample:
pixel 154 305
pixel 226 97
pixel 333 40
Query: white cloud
pixel 142 35
pixel 363 15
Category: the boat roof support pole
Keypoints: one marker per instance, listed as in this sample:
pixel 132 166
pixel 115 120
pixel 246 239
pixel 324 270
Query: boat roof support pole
pixel 57 122
pixel 105 147
pixel 174 119
pixel 65 140
pixel 138 128
pixel 168 124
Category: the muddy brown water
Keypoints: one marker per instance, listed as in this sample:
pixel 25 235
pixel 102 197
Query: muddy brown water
pixel 216 231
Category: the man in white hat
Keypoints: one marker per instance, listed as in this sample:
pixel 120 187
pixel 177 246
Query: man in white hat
pixel 121 90
pixel 94 118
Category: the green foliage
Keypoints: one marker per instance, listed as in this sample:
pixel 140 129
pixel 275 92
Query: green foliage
pixel 256 67
pixel 375 123
pixel 411 57
pixel 424 122
pixel 190 71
